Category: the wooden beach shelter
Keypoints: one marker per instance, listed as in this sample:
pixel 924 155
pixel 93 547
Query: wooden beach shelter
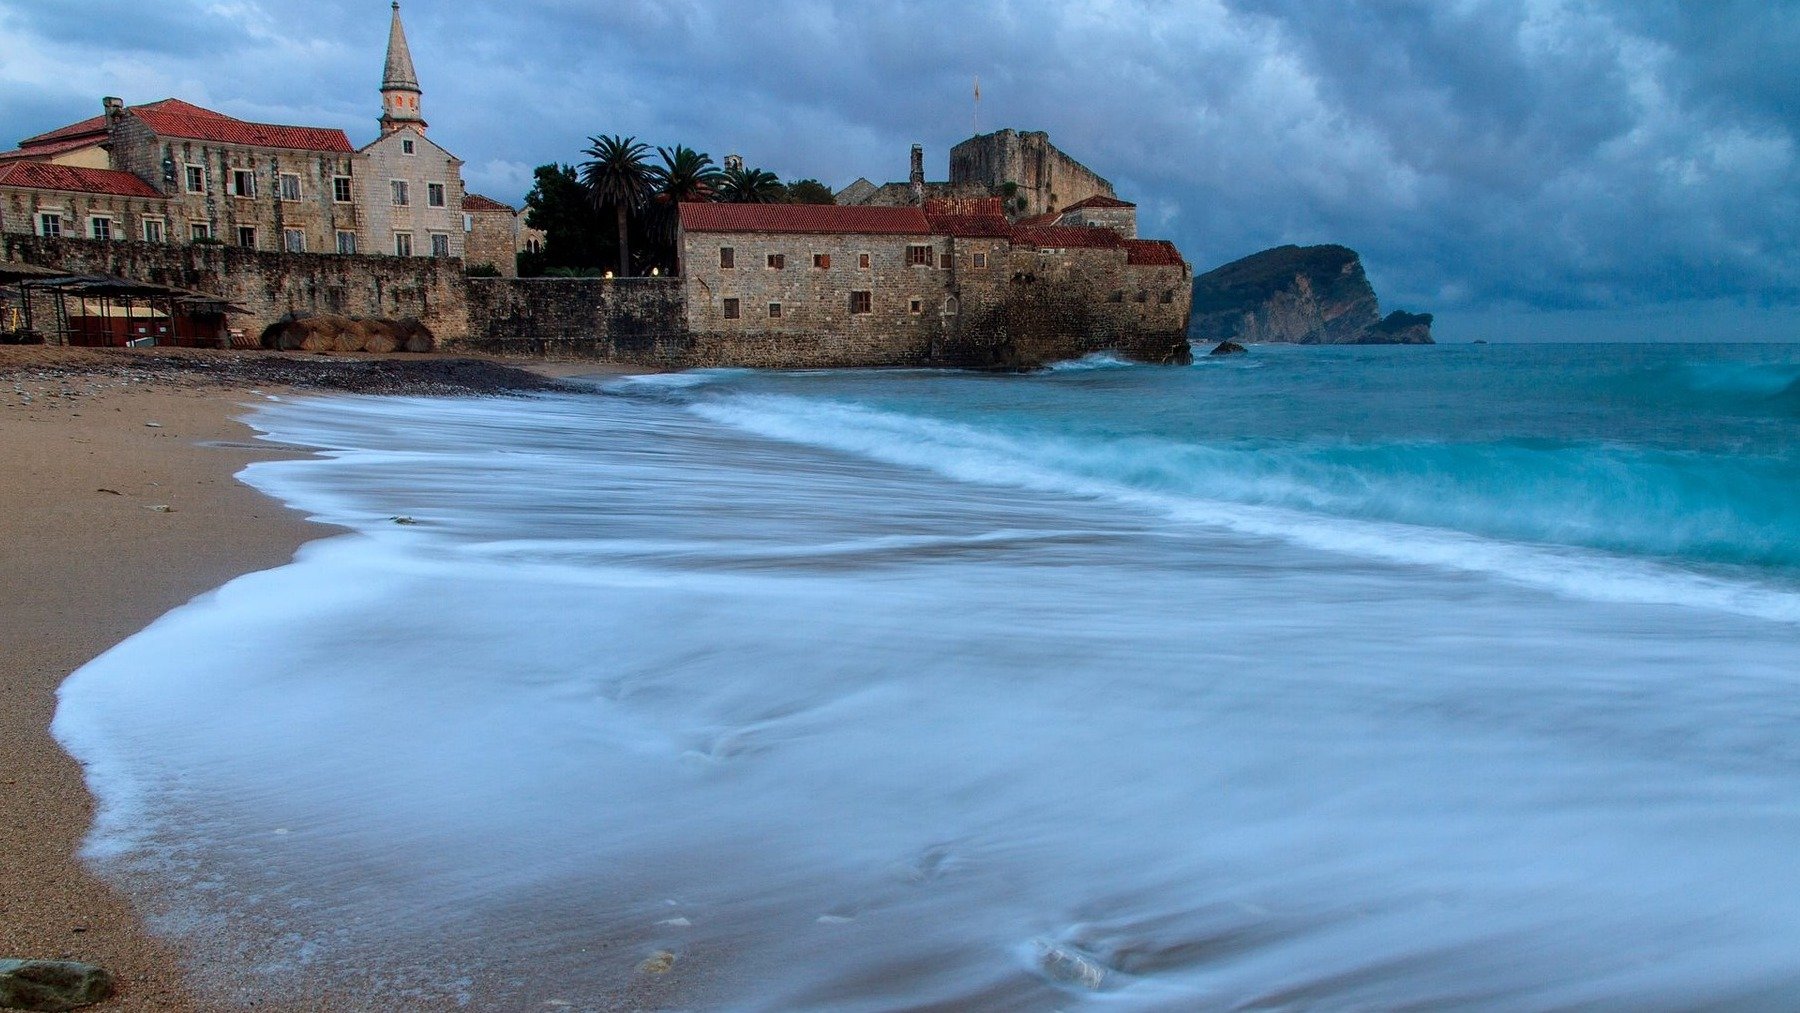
pixel 101 311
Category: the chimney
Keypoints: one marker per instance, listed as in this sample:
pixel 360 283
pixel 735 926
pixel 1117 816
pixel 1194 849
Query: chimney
pixel 917 178
pixel 115 107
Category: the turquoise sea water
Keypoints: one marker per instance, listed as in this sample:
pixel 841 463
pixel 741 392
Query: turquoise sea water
pixel 1309 678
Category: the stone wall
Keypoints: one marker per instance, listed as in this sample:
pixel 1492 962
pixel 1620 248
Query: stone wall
pixel 271 284
pixel 491 238
pixel 1046 179
pixel 635 320
pixel 21 206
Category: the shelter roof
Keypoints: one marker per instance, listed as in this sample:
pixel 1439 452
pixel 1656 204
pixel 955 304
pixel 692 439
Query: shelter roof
pixel 74 178
pixel 818 219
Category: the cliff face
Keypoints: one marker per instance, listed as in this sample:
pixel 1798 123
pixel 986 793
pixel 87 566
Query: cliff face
pixel 1308 295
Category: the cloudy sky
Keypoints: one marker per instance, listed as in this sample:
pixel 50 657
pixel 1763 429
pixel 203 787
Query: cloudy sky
pixel 1523 168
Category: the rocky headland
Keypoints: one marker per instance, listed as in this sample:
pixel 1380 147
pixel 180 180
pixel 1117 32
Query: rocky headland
pixel 1307 295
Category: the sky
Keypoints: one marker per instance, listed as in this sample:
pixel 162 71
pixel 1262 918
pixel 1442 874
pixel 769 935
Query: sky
pixel 1526 169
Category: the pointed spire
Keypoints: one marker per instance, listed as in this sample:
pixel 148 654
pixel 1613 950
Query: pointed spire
pixel 399 70
pixel 399 84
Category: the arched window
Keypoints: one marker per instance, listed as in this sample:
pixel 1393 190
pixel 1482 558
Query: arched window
pixel 950 306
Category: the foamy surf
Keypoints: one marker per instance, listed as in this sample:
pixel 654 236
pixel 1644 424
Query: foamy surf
pixel 835 692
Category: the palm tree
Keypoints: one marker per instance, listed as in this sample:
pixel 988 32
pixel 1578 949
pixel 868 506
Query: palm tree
pixel 751 186
pixel 686 176
pixel 617 176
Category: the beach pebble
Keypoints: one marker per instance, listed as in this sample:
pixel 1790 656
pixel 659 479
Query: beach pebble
pixel 52 985
pixel 403 520
pixel 660 962
pixel 163 508
pixel 1061 963
pixel 153 425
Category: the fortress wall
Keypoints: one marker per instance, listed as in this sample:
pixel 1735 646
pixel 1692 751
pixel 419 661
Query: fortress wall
pixel 634 320
pixel 1047 179
pixel 271 284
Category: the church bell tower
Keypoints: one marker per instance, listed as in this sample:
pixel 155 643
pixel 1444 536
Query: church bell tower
pixel 399 84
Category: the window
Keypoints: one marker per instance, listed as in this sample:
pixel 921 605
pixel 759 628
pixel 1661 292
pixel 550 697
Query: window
pixel 247 237
pixel 434 195
pixel 980 260
pixel 915 306
pixel 944 261
pixel 727 258
pixel 340 189
pixel 199 231
pixel 468 223
pixel 950 306
pixel 733 309
pixel 918 256
pixel 1116 296
pixel 402 244
pixel 1143 296
pixel 50 224
pixel 1167 298
pixel 400 194
pixel 346 242
pixel 293 240
pixel 406 146
pixel 153 230
pixel 774 311
pixel 862 261
pixel 822 261
pixel 243 183
pixel 100 227
pixel 777 261
pixel 196 179
pixel 861 302
pixel 290 186
pixel 534 246
pixel 440 244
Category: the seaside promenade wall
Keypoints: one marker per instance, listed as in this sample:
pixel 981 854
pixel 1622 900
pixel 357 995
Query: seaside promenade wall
pixel 630 320
pixel 270 285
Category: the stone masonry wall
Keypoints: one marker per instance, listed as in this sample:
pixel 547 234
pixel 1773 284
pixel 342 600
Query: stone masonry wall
pixel 1047 179
pixel 636 320
pixel 20 208
pixel 491 239
pixel 271 284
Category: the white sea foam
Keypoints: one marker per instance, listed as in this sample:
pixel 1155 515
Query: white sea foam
pixel 955 728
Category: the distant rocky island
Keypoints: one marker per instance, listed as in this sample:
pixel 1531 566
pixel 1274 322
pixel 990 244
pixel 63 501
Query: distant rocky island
pixel 1307 295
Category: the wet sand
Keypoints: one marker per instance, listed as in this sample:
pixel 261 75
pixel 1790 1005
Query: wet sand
pixel 119 504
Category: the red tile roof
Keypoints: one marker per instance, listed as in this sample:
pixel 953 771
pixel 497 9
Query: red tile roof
pixel 172 117
pixel 477 202
pixel 1154 252
pixel 1064 236
pixel 976 217
pixel 1049 219
pixel 46 176
pixel 1099 201
pixel 821 219
pixel 50 149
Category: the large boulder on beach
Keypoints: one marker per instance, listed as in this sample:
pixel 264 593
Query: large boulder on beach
pixel 326 332
pixel 52 985
pixel 418 337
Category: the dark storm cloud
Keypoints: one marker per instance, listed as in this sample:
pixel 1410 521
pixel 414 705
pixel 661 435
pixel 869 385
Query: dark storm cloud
pixel 1532 153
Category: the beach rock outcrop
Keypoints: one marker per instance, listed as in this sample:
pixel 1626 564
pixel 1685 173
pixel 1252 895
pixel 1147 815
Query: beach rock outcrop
pixel 52 985
pixel 1307 295
pixel 1228 348
pixel 310 332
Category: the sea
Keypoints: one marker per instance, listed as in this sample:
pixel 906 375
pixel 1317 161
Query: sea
pixel 1331 678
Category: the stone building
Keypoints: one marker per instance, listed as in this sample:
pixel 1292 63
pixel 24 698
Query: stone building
pixel 55 199
pixel 949 280
pixel 262 186
pixel 1030 175
pixel 494 234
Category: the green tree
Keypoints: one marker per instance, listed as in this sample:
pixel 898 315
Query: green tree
pixel 617 177
pixel 686 176
pixel 809 191
pixel 575 233
pixel 751 186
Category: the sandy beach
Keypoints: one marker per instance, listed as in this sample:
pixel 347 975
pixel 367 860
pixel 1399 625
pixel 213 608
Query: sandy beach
pixel 120 504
